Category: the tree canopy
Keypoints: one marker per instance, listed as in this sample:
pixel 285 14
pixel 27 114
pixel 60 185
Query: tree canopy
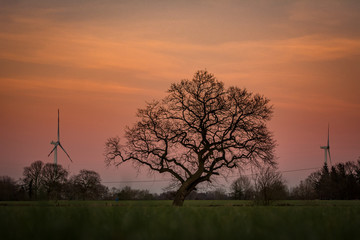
pixel 87 185
pixel 50 181
pixel 199 129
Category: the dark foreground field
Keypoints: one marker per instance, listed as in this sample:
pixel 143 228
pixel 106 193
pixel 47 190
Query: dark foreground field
pixel 196 220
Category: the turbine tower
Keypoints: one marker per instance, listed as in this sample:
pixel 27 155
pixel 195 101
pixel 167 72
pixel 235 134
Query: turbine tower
pixel 327 147
pixel 57 143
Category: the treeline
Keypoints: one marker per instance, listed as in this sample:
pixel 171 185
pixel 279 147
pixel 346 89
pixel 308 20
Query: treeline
pixel 52 182
pixel 264 185
pixel 341 181
pixel 48 181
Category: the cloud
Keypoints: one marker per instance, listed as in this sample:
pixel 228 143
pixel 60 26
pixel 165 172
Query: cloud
pixel 330 17
pixel 112 47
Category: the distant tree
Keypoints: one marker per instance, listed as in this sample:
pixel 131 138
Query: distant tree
pixel 269 185
pixel 336 182
pixel 304 191
pixel 357 171
pixel 343 181
pixel 313 178
pixel 168 195
pixel 127 193
pixel 242 188
pixel 54 177
pixel 356 174
pixel 32 178
pixel 9 189
pixel 197 131
pixel 217 194
pixel 195 195
pixel 323 185
pixel 340 182
pixel 87 185
pixel 353 179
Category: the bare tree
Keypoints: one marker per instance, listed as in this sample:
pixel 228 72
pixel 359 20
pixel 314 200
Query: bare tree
pixel 32 178
pixel 87 185
pixel 269 184
pixel 9 189
pixel 127 193
pixel 197 131
pixel 242 189
pixel 54 176
pixel 304 191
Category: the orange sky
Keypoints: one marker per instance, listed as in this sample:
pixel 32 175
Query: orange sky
pixel 98 61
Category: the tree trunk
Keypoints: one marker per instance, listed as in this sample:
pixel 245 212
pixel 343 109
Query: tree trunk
pixel 179 199
pixel 188 186
pixel 181 194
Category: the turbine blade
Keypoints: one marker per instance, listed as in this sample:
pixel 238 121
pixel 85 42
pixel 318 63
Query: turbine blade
pixel 65 152
pixel 328 135
pixel 58 133
pixel 52 150
pixel 329 156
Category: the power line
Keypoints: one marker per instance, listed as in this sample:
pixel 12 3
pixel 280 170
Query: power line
pixel 298 170
pixel 169 179
pixel 140 181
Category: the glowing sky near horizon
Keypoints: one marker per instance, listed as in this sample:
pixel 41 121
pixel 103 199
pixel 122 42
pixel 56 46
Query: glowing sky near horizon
pixel 99 61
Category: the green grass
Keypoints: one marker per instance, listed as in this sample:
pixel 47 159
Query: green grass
pixel 196 220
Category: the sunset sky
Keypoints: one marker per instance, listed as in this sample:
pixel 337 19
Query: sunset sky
pixel 99 61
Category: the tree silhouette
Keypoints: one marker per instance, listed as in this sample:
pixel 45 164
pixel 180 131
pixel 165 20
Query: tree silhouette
pixel 33 178
pixel 340 182
pixel 54 176
pixel 87 185
pixel 197 131
pixel 269 185
pixel 322 186
pixel 242 189
pixel 9 190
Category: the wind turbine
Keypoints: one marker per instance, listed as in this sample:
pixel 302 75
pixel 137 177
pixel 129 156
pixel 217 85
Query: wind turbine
pixel 327 147
pixel 57 143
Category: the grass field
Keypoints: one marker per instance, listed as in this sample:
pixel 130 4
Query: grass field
pixel 196 220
